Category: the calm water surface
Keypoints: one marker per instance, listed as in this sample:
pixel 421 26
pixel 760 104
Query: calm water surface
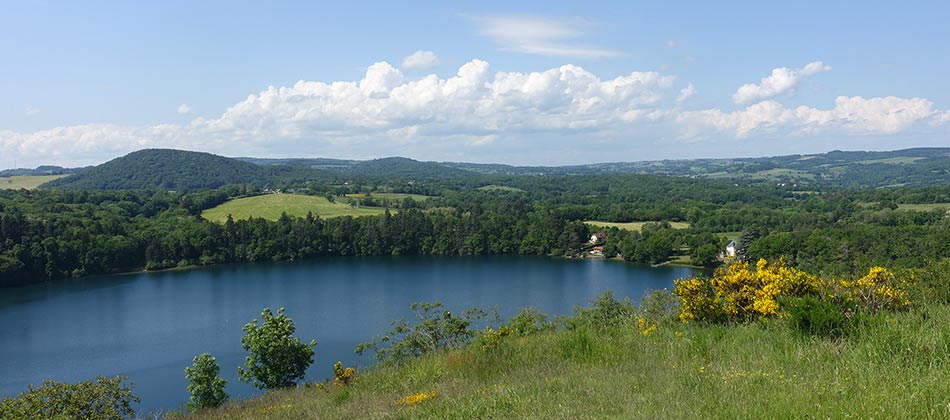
pixel 148 326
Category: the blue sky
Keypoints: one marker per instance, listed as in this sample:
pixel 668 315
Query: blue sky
pixel 526 83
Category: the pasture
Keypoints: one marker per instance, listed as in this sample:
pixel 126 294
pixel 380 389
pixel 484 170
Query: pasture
pixel 27 182
pixel 500 188
pixel 924 207
pixel 389 196
pixel 634 226
pixel 270 206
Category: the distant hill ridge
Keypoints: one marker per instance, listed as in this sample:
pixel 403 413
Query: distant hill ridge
pixel 165 169
pixel 181 170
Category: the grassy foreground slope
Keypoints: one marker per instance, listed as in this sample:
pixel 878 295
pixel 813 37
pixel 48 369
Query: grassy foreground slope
pixel 891 366
pixel 270 206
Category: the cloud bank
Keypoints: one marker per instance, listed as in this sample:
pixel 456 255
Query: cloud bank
pixel 552 116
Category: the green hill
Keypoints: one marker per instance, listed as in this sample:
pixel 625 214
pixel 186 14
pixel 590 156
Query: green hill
pixel 918 167
pixel 175 170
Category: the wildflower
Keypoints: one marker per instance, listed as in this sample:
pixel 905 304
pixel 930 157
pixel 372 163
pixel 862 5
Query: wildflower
pixel 645 327
pixel 413 399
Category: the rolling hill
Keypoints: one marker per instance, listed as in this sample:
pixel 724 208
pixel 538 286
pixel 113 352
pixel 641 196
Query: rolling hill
pixel 179 170
pixel 175 170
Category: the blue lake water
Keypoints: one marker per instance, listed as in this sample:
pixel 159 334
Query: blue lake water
pixel 148 326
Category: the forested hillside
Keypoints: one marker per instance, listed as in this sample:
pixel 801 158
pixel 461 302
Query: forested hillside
pixel 177 170
pixel 53 233
pixel 181 170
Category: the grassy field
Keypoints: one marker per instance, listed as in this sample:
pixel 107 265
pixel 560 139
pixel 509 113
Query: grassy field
pixel 391 196
pixel 633 226
pixel 28 182
pixel 729 236
pixel 500 188
pixel 270 206
pixel 894 366
pixel 924 207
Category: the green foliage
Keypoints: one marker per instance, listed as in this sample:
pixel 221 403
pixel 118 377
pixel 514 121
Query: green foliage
pixel 434 329
pixel 53 234
pixel 103 399
pixel 205 386
pixel 933 283
pixel 605 311
pixel 811 315
pixel 276 359
pixel 528 321
pixel 660 305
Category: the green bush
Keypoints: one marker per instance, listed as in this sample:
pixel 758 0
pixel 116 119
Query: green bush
pixel 435 329
pixel 810 315
pixel 527 322
pixel 206 387
pixel 605 311
pixel 276 359
pixel 660 305
pixel 104 399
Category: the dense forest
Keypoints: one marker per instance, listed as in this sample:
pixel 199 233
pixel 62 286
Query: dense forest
pixel 55 233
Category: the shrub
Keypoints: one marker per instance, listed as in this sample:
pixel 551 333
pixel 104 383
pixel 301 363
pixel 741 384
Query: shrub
pixel 527 322
pixel 605 311
pixel 810 315
pixel 878 290
pixel 435 329
pixel 206 387
pixel 341 376
pixel 104 399
pixel 660 305
pixel 737 292
pixel 276 359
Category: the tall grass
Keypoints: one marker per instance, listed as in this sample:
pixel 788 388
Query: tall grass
pixel 893 365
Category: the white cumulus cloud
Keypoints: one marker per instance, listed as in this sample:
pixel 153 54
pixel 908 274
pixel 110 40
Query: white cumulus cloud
pixel 184 109
pixel 420 60
pixel 540 35
pixel 524 117
pixel 686 93
pixel 854 115
pixel 782 80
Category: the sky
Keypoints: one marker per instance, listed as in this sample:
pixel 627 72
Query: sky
pixel 530 83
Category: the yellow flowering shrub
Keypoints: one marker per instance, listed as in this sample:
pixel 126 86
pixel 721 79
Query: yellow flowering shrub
pixel 698 299
pixel 878 290
pixel 341 376
pixel 740 293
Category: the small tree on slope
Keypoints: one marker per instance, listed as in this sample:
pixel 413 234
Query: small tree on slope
pixel 276 359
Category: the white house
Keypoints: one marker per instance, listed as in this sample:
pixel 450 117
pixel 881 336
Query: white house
pixel 731 249
pixel 598 238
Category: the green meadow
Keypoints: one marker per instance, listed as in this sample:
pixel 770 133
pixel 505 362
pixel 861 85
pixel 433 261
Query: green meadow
pixel 27 182
pixel 633 226
pixel 924 207
pixel 500 188
pixel 271 206
pixel 390 196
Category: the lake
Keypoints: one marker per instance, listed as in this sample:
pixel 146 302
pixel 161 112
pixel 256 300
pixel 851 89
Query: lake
pixel 149 326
